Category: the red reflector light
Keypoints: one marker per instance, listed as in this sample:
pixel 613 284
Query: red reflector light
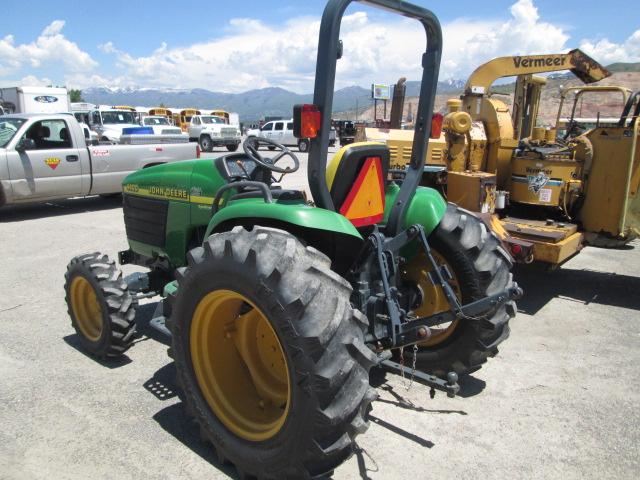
pixel 306 121
pixel 516 249
pixel 197 151
pixel 436 125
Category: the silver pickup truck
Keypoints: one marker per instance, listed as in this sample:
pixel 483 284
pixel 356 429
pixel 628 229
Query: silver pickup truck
pixel 44 156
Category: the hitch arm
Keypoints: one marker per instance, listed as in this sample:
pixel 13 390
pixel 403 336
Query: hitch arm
pixel 450 385
pixel 417 330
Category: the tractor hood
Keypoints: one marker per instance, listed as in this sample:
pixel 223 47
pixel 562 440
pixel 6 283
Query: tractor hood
pixel 170 181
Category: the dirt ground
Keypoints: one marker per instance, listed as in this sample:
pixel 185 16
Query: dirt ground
pixel 560 401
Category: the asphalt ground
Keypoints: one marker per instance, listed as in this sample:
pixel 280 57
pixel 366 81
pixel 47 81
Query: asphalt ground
pixel 561 400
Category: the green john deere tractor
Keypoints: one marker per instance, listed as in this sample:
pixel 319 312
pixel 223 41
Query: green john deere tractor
pixel 277 307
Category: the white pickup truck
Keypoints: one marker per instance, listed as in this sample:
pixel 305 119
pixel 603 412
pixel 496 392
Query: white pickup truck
pixel 160 125
pixel 211 131
pixel 281 131
pixel 44 157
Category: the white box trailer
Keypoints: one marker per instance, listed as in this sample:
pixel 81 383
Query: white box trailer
pixel 35 100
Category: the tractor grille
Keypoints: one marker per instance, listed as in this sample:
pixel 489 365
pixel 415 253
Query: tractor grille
pixel 145 219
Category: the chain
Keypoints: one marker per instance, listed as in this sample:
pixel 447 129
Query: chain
pixel 413 365
pixel 402 365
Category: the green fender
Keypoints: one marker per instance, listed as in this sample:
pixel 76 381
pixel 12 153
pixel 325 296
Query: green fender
pixel 427 207
pixel 299 214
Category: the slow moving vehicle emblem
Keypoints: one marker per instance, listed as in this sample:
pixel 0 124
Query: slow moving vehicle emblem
pixel 52 162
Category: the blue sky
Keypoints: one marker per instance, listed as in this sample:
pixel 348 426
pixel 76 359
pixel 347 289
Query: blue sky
pixel 181 44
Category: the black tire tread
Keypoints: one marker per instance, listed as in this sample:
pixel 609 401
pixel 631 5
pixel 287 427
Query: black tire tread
pixel 336 379
pixel 486 266
pixel 120 315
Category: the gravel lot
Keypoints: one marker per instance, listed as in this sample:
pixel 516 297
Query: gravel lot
pixel 560 401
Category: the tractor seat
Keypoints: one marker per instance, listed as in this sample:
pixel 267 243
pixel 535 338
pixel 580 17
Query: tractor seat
pixel 356 178
pixel 276 193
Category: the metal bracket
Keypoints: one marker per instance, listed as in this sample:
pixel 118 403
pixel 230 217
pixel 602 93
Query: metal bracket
pixel 450 386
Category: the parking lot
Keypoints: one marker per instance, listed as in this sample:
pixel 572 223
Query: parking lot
pixel 560 401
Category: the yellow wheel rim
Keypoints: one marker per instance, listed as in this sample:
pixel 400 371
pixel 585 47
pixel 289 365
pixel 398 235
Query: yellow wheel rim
pixel 435 300
pixel 240 365
pixel 86 308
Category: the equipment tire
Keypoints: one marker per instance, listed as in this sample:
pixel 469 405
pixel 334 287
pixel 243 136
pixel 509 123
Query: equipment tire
pixel 326 362
pixel 99 304
pixel 481 267
pixel 303 145
pixel 206 145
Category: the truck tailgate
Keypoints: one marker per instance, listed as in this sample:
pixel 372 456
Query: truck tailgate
pixel 112 163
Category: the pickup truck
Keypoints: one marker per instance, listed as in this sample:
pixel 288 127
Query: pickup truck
pixel 281 131
pixel 45 156
pixel 211 131
pixel 160 125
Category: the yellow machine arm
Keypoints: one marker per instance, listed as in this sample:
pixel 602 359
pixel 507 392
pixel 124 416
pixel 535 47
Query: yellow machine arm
pixel 578 62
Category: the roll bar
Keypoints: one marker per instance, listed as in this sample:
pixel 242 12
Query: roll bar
pixel 634 98
pixel 329 51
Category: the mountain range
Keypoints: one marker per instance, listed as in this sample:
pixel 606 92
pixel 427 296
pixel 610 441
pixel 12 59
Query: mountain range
pixel 251 105
pixel 254 105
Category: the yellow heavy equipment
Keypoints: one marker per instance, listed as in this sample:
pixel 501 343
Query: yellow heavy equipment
pixel 543 194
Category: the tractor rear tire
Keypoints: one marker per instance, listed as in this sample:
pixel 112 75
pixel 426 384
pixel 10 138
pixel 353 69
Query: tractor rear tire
pixel 291 291
pixel 100 306
pixel 481 267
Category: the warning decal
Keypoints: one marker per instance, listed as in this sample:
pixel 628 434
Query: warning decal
pixel 52 162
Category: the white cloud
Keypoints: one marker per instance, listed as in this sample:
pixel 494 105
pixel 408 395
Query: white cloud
pixel 33 81
pixel 608 52
pixel 107 47
pixel 255 55
pixel 51 48
pixel 252 54
pixel 54 28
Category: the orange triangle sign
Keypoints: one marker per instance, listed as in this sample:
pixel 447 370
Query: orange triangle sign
pixel 365 203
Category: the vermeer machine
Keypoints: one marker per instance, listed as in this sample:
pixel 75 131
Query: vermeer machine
pixel 545 195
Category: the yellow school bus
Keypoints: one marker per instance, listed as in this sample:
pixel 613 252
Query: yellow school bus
pixel 161 112
pixel 184 117
pixel 124 107
pixel 221 114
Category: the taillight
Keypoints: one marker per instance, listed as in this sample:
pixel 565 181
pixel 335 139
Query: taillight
pixel 516 249
pixel 197 150
pixel 306 121
pixel 436 125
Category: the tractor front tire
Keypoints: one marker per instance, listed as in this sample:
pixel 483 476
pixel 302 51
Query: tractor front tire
pixel 270 354
pixel 101 308
pixel 480 267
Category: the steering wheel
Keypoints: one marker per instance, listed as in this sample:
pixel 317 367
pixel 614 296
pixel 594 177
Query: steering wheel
pixel 251 145
pixel 574 127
